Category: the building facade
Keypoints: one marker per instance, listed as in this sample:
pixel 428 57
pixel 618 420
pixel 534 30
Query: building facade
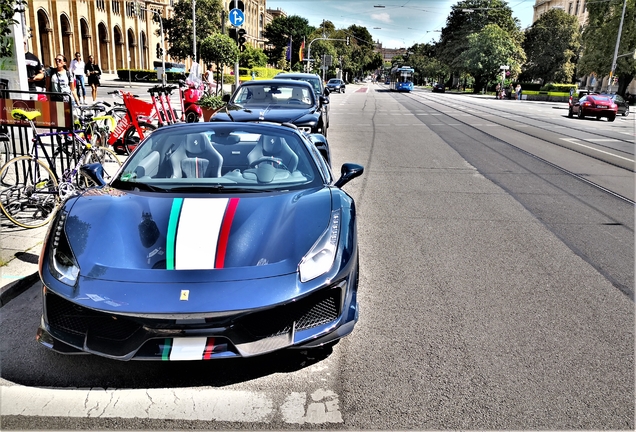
pixel 113 32
pixel 577 8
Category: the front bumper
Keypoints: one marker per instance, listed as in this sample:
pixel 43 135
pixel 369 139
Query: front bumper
pixel 321 317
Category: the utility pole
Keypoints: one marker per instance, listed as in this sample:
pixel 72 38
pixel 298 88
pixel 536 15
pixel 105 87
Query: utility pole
pixel 194 30
pixel 618 39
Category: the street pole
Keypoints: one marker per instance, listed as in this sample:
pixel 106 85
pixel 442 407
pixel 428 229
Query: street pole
pixel 618 39
pixel 194 30
pixel 236 64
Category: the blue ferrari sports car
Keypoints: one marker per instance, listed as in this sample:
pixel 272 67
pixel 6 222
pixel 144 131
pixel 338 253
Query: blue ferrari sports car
pixel 213 240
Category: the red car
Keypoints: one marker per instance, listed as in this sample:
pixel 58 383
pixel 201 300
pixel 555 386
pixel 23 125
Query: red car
pixel 593 105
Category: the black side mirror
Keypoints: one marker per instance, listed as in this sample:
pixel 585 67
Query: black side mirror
pixel 324 100
pixel 348 172
pixel 327 92
pixel 226 98
pixel 94 172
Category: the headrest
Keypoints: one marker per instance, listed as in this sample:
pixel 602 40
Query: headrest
pixel 195 143
pixel 297 93
pixel 258 93
pixel 271 144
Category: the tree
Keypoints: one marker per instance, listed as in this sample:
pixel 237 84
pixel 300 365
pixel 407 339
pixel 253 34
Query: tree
pixel 7 11
pixel 599 41
pixel 219 49
pixel 252 57
pixel 487 51
pixel 278 32
pixel 468 17
pixel 551 46
pixel 178 29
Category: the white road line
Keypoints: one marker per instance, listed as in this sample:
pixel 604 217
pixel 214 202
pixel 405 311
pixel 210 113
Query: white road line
pixel 321 406
pixel 572 141
pixel 601 140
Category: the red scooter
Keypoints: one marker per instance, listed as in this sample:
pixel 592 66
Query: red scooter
pixel 191 91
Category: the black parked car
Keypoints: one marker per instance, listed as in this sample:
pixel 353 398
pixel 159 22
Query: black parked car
pixel 279 101
pixel 439 88
pixel 335 84
pixel 316 83
pixel 623 105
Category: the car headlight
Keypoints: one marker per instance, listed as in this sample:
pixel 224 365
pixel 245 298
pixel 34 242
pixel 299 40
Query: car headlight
pixel 320 257
pixel 62 263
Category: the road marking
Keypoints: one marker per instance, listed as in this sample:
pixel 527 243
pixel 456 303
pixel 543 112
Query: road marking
pixel 176 404
pixel 601 140
pixel 572 141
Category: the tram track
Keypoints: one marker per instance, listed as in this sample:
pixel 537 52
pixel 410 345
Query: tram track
pixel 627 164
pixel 549 126
pixel 620 158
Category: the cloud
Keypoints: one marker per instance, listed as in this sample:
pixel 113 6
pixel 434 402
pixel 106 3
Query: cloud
pixel 384 17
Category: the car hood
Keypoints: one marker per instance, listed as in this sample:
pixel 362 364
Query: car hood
pixel 146 237
pixel 270 113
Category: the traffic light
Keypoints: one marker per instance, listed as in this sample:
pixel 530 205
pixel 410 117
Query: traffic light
pixel 348 40
pixel 159 51
pixel 231 32
pixel 241 39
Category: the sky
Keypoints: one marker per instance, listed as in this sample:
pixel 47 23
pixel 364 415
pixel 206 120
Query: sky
pixel 399 24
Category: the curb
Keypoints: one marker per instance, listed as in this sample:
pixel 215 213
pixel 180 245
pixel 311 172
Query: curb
pixel 14 289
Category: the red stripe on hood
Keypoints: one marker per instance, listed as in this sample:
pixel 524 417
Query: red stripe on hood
pixel 224 235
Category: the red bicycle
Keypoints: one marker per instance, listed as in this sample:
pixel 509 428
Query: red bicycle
pixel 134 124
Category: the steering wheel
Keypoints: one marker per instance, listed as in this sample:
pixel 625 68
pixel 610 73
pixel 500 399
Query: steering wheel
pixel 294 101
pixel 276 162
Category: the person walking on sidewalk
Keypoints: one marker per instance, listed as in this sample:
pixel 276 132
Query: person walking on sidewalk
pixel 59 80
pixel 518 91
pixel 93 72
pixel 77 70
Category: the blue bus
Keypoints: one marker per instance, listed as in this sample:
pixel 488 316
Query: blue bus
pixel 402 78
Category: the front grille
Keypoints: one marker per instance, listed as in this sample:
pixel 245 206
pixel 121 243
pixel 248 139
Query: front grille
pixel 78 320
pixel 316 309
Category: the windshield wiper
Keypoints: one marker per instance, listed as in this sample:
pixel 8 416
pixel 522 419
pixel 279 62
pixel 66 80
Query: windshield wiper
pixel 198 188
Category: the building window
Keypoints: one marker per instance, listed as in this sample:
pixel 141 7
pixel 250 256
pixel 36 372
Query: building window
pixel 101 5
pixel 116 10
pixel 576 11
pixel 570 9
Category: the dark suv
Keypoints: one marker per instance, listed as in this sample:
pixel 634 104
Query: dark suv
pixel 316 83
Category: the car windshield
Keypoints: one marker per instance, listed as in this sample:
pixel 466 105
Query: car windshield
pixel 218 157
pixel 285 95
pixel 334 81
pixel 314 81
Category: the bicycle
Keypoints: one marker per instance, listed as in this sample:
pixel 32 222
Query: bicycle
pixel 32 190
pixel 131 128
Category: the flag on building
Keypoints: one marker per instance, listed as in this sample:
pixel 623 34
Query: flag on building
pixel 300 52
pixel 288 53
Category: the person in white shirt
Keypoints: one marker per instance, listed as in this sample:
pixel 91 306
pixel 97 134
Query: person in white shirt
pixel 77 70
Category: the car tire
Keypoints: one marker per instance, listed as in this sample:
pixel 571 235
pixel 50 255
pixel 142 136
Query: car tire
pixel 611 118
pixel 580 113
pixel 570 113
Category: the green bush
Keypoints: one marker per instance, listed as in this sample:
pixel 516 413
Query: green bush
pixel 147 75
pixel 563 88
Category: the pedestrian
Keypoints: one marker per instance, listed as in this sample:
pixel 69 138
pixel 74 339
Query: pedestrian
pixel 35 72
pixel 93 72
pixel 497 91
pixel 208 78
pixel 77 70
pixel 59 80
pixel 518 91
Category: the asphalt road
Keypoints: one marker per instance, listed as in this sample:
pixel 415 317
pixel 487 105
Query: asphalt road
pixel 496 293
